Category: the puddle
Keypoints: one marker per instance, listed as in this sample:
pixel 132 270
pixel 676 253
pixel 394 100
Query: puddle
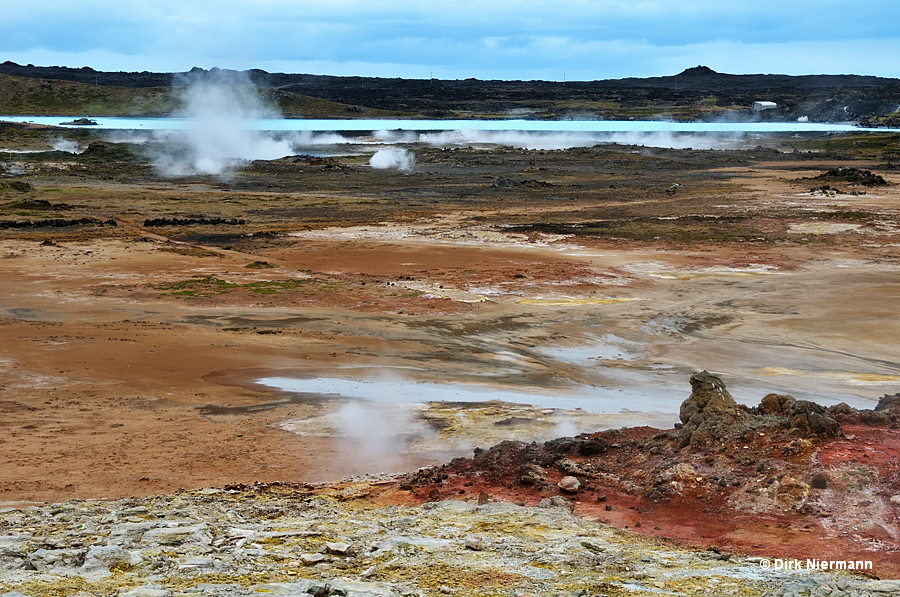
pixel 587 398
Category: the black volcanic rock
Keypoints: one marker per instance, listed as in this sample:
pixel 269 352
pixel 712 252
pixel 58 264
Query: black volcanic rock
pixel 820 98
pixel 889 403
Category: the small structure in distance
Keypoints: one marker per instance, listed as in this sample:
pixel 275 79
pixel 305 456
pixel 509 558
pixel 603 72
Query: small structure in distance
pixel 760 106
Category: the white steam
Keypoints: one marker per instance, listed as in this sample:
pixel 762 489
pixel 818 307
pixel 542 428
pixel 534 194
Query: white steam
pixel 393 157
pixel 221 108
pixel 555 140
pixel 65 145
pixel 379 433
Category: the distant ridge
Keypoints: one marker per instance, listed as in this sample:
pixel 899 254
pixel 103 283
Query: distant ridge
pixel 697 93
pixel 699 74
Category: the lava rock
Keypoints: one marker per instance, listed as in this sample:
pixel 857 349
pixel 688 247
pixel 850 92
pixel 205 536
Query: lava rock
pixel 844 413
pixel 593 446
pixel 709 412
pixel 776 404
pixel 889 404
pixel 808 419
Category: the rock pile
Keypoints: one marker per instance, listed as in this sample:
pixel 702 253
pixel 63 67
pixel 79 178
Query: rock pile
pixel 885 414
pixel 854 176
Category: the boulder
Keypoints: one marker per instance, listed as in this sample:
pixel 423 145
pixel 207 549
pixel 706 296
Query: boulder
pixel 557 502
pixel 592 446
pixel 776 405
pixel 338 548
pixel 569 484
pixel 844 413
pixel 808 419
pixel 874 418
pixel 819 481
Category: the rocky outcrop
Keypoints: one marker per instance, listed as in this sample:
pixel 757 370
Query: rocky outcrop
pixel 54 223
pixel 853 176
pixel 885 414
pixel 889 404
pixel 157 222
pixel 709 412
pixel 808 419
pixel 20 186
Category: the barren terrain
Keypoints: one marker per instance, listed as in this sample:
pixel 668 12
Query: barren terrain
pixel 595 281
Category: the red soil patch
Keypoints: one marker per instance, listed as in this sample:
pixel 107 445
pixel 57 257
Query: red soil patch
pixel 719 509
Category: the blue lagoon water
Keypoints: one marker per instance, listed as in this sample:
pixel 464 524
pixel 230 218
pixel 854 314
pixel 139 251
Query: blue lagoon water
pixel 372 125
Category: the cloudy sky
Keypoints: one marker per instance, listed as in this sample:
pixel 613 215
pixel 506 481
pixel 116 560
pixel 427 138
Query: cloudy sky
pixel 501 39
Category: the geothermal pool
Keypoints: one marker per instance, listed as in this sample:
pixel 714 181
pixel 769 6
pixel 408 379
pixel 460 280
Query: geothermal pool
pixel 243 138
pixel 372 125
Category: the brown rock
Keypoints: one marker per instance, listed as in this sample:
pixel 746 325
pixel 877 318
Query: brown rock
pixel 844 413
pixel 809 419
pixel 874 418
pixel 889 404
pixel 708 413
pixel 776 404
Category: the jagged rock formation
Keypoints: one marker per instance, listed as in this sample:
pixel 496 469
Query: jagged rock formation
pixel 889 403
pixel 709 412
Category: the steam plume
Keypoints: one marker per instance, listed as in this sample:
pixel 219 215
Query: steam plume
pixel 221 108
pixel 400 159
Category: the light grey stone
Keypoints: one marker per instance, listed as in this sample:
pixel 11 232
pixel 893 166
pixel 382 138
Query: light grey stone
pixel 170 536
pixel 891 587
pixel 129 532
pixel 148 591
pixel 312 558
pixel 45 559
pixel 338 548
pixel 569 484
pixel 14 545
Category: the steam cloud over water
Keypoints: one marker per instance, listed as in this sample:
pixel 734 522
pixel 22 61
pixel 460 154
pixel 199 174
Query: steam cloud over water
pixel 221 107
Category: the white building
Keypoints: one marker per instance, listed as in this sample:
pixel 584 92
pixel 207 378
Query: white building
pixel 760 106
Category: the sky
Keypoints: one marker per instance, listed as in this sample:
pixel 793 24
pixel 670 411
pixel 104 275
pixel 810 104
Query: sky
pixel 553 40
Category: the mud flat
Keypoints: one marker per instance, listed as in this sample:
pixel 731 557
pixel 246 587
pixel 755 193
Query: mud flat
pixel 135 341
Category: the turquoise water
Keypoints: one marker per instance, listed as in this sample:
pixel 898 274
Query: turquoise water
pixel 586 126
